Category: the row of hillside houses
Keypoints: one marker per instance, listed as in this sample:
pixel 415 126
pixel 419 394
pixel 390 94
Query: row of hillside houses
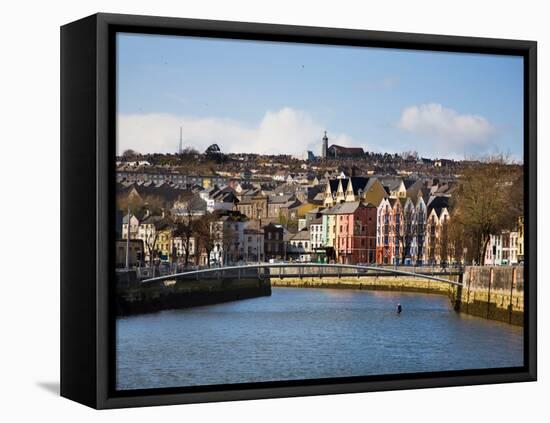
pixel 382 220
pixel 398 231
pixel 233 238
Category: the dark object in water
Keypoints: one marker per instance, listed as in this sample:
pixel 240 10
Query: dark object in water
pixel 399 309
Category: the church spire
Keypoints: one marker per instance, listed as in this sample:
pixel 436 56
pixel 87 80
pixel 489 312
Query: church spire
pixel 324 148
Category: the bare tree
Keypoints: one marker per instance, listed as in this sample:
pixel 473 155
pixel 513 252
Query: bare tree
pixel 484 202
pixel 420 233
pixel 456 238
pixel 138 205
pixel 150 239
pixel 229 241
pixel 409 232
pixel 130 154
pixel 205 235
pixel 443 242
pixel 184 229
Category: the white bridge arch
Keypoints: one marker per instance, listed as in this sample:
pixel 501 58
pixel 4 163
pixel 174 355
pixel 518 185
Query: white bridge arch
pixel 314 270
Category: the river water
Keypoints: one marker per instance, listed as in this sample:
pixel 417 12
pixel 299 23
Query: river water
pixel 308 334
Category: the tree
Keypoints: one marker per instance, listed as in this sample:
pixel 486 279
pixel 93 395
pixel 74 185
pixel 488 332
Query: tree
pixel 229 241
pixel 409 232
pixel 184 229
pixel 444 247
pixel 205 236
pixel 456 238
pixel 190 151
pixel 409 155
pixel 484 202
pixel 138 204
pixel 419 232
pixel 130 154
pixel 150 238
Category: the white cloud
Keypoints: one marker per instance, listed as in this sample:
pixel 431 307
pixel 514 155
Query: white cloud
pixel 448 130
pixel 286 131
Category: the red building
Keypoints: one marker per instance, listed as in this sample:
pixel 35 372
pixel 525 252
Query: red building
pixel 356 233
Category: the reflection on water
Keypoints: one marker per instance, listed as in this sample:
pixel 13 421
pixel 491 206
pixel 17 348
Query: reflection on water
pixel 308 334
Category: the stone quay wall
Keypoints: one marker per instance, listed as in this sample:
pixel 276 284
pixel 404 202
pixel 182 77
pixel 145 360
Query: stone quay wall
pixel 494 293
pixel 132 297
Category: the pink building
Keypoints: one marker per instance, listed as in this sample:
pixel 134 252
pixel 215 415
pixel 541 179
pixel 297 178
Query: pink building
pixel 356 233
pixel 390 231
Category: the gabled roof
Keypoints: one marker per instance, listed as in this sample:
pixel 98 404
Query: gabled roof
pixel 159 221
pixel 333 184
pixel 125 218
pixel 291 204
pixel 302 235
pixel 280 199
pixel 391 183
pixel 438 204
pixel 346 208
pixel 371 182
pixel 347 150
pixel 358 183
pixel 410 182
pixel 318 198
pixel 316 210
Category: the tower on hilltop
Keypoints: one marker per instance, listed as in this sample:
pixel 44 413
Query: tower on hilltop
pixel 324 148
pixel 180 150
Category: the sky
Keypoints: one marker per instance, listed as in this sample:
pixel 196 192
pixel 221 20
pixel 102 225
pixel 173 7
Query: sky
pixel 279 98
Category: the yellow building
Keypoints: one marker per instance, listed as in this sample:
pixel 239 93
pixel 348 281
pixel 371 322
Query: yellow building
pixel 521 237
pixel 304 208
pixel 163 243
pixel 373 192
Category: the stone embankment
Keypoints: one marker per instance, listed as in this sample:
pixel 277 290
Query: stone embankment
pixel 494 293
pixel 133 297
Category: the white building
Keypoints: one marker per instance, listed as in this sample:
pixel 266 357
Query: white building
pixel 134 226
pixel 228 234
pixel 253 242
pixel 178 245
pixel 502 249
pixel 218 199
pixel 316 233
pixel 299 247
pixel 148 233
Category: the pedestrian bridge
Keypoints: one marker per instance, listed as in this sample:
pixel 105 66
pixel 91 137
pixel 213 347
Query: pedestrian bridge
pixel 307 270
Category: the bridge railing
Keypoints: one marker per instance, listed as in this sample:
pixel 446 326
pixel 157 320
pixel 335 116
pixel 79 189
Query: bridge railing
pixel 164 270
pixel 282 270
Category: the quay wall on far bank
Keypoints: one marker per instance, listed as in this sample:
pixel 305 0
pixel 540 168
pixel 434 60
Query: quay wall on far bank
pixel 135 298
pixel 494 293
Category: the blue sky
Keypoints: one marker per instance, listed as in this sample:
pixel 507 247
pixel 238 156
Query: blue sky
pixel 280 97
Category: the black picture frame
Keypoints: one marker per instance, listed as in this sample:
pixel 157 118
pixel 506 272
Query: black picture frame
pixel 87 205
